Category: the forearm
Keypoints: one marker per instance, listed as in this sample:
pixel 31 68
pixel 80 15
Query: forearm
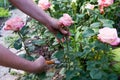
pixel 8 59
pixel 30 8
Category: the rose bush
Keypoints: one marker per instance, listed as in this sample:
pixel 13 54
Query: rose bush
pixel 85 56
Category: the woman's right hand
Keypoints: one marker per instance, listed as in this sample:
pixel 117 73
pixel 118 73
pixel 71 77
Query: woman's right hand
pixel 39 65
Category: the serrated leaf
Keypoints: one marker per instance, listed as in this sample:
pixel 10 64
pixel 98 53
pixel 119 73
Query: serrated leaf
pixel 62 71
pixel 108 25
pixel 107 22
pixel 18 44
pixel 80 15
pixel 88 33
pixel 96 24
pixel 77 35
pixel 96 74
pixel 30 47
pixel 24 30
pixel 59 36
pixel 70 74
pixel 30 58
pixel 38 42
pixel 58 54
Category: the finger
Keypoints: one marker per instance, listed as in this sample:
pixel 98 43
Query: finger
pixel 58 40
pixel 63 40
pixel 64 32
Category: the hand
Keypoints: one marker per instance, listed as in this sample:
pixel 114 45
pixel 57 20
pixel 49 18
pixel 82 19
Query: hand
pixel 55 27
pixel 39 65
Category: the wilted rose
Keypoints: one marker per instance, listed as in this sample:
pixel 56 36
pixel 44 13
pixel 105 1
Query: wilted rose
pixel 14 24
pixel 44 4
pixel 66 20
pixel 109 35
pixel 89 6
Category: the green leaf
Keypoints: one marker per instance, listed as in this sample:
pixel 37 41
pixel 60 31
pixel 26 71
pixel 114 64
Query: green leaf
pixel 24 30
pixel 108 25
pixel 80 15
pixel 91 65
pixel 42 76
pixel 30 58
pixel 62 71
pixel 95 25
pixel 70 74
pixel 88 33
pixel 113 76
pixel 107 22
pixel 38 42
pixel 18 44
pixel 31 47
pixel 58 54
pixel 59 36
pixel 96 74
pixel 77 35
pixel 116 53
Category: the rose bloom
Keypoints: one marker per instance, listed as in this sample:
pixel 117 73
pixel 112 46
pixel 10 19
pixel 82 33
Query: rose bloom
pixel 66 20
pixel 14 24
pixel 89 6
pixel 44 4
pixel 104 3
pixel 109 35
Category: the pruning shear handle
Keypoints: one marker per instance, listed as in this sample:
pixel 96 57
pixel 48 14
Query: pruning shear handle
pixel 52 62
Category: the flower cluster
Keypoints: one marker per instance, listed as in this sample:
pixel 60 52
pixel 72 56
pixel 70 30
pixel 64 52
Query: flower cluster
pixel 14 24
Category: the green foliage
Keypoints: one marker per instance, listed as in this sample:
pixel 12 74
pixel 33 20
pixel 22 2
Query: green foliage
pixel 4 12
pixel 10 40
pixel 18 44
pixel 116 60
pixel 4 3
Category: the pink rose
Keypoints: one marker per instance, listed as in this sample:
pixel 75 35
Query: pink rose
pixel 44 4
pixel 104 3
pixel 109 35
pixel 66 20
pixel 14 24
pixel 89 6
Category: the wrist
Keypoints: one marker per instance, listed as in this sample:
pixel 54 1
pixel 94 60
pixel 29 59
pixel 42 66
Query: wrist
pixel 29 67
